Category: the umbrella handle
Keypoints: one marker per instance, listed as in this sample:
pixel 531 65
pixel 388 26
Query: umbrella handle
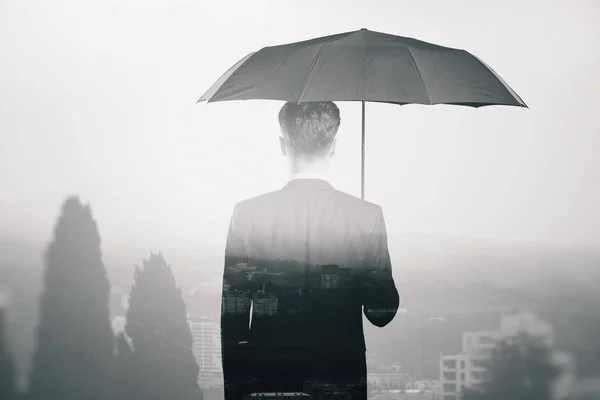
pixel 362 161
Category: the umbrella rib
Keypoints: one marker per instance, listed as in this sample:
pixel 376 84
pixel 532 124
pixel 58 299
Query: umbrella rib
pixel 233 69
pixel 418 73
pixel 310 71
pixel 364 68
pixel 508 88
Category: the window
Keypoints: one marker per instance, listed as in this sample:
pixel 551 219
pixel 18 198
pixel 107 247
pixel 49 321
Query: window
pixel 449 387
pixel 486 352
pixel 450 376
pixel 462 364
pixel 449 363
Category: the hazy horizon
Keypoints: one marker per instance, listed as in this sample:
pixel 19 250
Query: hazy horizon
pixel 424 249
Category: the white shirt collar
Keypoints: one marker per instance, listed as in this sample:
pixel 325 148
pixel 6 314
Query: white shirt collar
pixel 309 175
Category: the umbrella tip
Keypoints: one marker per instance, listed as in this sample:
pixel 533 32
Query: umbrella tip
pixel 363 29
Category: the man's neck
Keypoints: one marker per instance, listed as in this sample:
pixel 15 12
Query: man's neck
pixel 309 175
pixel 313 167
pixel 309 171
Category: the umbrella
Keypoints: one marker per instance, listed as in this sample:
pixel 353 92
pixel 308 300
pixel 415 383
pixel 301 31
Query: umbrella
pixel 365 66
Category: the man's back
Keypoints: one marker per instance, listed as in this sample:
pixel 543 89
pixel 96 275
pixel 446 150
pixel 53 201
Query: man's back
pixel 307 221
pixel 303 261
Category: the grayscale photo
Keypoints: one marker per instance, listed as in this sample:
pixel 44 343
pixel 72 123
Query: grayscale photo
pixel 318 200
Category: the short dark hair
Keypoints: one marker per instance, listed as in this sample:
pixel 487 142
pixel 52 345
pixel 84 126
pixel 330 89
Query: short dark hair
pixel 310 127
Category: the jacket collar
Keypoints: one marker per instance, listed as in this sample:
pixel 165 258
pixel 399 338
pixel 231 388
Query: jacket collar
pixel 308 183
pixel 309 175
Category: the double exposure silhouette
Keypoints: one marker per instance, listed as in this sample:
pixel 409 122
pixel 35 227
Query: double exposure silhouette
pixel 7 368
pixel 75 356
pixel 75 341
pixel 161 365
pixel 302 264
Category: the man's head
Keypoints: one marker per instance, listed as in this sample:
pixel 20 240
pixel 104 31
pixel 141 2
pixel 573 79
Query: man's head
pixel 308 129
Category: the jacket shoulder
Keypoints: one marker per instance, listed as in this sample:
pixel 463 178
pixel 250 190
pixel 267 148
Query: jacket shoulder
pixel 251 204
pixel 359 204
pixel 363 213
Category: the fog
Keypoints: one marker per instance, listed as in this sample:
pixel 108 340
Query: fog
pixel 99 99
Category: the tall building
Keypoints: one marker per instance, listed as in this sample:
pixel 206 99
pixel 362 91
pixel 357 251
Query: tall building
pixel 330 276
pixel 466 369
pixel 265 303
pixel 207 350
pixel 235 302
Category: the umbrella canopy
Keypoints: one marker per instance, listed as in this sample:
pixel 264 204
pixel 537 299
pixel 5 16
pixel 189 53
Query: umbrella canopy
pixel 364 66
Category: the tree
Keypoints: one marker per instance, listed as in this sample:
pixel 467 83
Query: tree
pixel 586 389
pixel 125 380
pixel 520 368
pixel 164 366
pixel 75 341
pixel 7 369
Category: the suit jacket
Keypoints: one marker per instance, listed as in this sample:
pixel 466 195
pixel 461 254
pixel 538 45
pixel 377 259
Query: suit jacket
pixel 302 265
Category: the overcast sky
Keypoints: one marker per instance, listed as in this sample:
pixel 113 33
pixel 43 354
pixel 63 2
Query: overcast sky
pixel 98 99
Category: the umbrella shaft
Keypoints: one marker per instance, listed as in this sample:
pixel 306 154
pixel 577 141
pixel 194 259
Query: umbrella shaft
pixel 362 161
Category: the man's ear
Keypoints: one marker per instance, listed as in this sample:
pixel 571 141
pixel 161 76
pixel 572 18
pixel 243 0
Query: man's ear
pixel 282 145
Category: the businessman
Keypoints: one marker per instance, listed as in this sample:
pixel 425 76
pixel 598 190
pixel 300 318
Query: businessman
pixel 302 265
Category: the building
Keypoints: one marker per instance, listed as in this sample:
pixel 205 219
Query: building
pixel 265 303
pixel 388 380
pixel 206 334
pixel 453 375
pixel 427 386
pixel 235 302
pixel 330 276
pixel 467 368
pixel 320 390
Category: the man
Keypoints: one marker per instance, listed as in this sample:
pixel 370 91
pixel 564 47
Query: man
pixel 302 264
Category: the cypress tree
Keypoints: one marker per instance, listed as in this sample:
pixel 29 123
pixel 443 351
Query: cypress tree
pixel 7 368
pixel 125 380
pixel 164 366
pixel 75 341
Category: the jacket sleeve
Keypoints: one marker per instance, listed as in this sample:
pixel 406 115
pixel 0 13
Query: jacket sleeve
pixel 235 311
pixel 379 294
